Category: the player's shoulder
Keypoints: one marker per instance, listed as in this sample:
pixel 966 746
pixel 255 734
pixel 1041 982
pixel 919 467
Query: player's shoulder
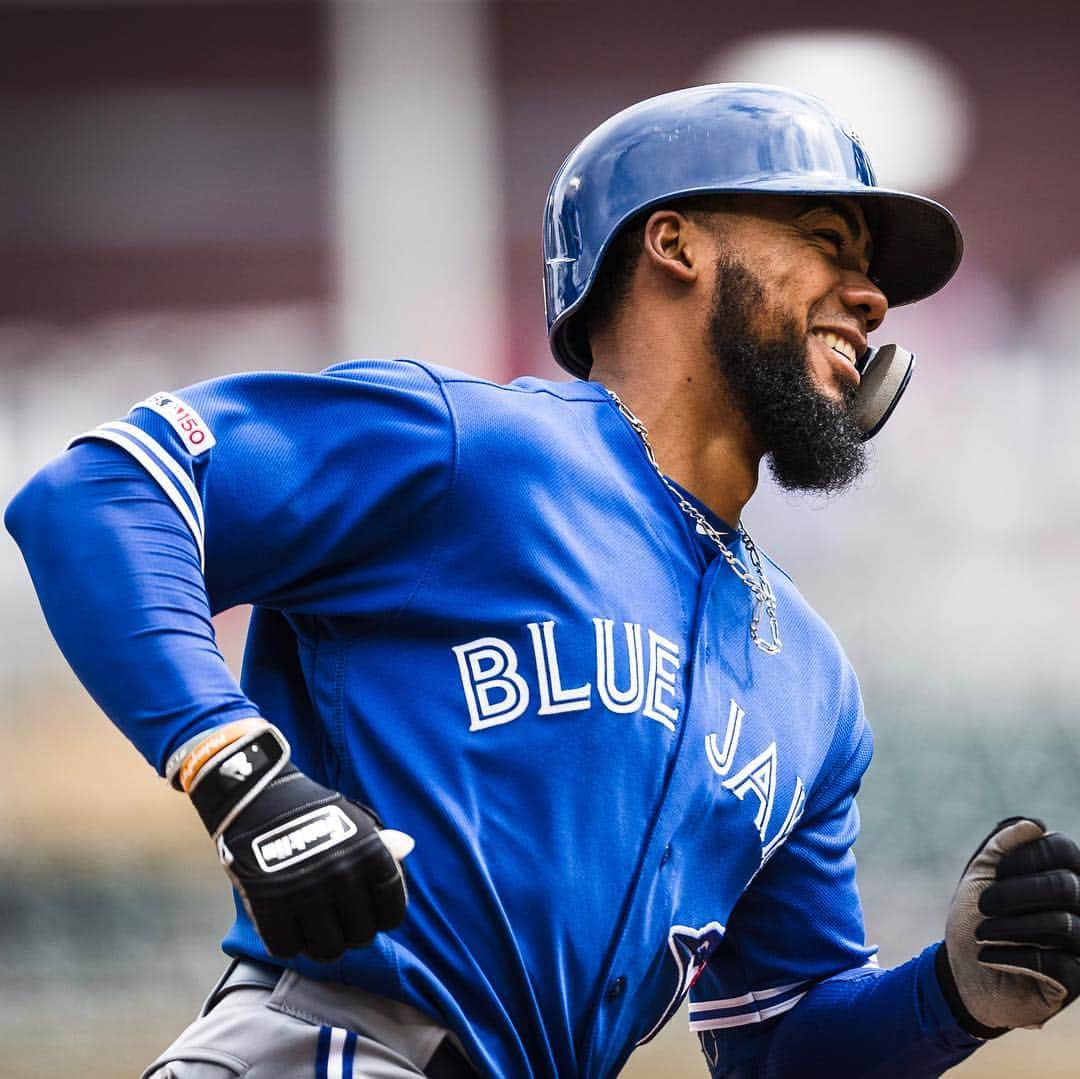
pixel 416 399
pixel 463 387
pixel 409 367
pixel 262 388
pixel 398 372
pixel 530 409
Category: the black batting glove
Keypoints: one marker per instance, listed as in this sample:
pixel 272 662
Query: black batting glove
pixel 1012 944
pixel 310 865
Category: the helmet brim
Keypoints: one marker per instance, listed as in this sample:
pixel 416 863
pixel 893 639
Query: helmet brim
pixel 917 244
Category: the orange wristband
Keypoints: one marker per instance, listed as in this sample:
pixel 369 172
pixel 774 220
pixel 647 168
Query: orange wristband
pixel 213 744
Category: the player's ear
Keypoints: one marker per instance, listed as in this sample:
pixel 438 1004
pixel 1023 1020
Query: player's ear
pixel 672 245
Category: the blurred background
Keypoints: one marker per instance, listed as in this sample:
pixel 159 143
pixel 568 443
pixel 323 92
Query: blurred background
pixel 193 188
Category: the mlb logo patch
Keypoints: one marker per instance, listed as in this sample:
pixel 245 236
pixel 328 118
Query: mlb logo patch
pixel 183 419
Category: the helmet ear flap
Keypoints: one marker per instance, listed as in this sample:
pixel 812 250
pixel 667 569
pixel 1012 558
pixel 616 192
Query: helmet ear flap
pixel 574 347
pixel 884 375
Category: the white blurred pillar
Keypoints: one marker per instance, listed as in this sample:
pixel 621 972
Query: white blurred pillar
pixel 417 201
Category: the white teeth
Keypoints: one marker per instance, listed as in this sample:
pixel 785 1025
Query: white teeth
pixel 838 344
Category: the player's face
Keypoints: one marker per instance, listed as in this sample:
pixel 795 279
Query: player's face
pixel 831 243
pixel 812 257
pixel 792 307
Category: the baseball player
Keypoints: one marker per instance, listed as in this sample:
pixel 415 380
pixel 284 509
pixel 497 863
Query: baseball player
pixel 523 626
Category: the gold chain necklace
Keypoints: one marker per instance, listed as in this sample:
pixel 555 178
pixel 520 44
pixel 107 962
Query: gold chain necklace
pixel 756 583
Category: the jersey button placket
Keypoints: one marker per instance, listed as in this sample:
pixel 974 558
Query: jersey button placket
pixel 615 988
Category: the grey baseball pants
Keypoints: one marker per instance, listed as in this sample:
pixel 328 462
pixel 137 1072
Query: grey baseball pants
pixel 262 1023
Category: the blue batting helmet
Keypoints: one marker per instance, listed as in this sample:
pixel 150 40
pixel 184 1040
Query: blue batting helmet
pixel 725 138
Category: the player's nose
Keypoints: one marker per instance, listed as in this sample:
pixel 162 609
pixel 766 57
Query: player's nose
pixel 864 299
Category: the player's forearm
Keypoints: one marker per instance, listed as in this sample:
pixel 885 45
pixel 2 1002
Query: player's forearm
pixel 870 1023
pixel 118 578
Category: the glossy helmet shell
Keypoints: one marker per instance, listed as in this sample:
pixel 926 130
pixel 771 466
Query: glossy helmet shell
pixel 725 138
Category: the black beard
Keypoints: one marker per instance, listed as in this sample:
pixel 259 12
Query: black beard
pixel 813 443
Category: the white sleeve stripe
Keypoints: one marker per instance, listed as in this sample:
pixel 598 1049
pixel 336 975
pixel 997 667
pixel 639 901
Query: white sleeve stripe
pixel 747 1018
pixel 747 998
pixel 745 1007
pixel 167 460
pixel 163 481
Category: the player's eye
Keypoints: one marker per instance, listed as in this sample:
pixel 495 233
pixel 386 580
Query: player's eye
pixel 831 236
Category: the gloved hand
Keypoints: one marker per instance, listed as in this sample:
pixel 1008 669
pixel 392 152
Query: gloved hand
pixel 1012 942
pixel 314 871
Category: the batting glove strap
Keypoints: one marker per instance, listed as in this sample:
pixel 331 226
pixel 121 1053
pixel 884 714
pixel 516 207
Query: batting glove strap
pixel 1012 943
pixel 186 761
pixel 227 783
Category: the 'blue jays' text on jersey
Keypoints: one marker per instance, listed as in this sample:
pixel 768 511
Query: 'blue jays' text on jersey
pixel 479 611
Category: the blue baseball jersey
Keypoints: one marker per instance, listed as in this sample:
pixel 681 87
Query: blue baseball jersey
pixel 479 611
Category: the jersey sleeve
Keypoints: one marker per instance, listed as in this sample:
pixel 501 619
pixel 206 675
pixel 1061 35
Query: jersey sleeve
pixel 794 979
pixel 278 490
pixel 283 479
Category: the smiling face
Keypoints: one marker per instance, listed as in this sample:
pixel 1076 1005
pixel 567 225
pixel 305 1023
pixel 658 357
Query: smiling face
pixel 835 241
pixel 812 258
pixel 791 309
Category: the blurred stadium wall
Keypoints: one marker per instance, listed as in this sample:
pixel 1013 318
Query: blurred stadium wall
pixel 193 188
